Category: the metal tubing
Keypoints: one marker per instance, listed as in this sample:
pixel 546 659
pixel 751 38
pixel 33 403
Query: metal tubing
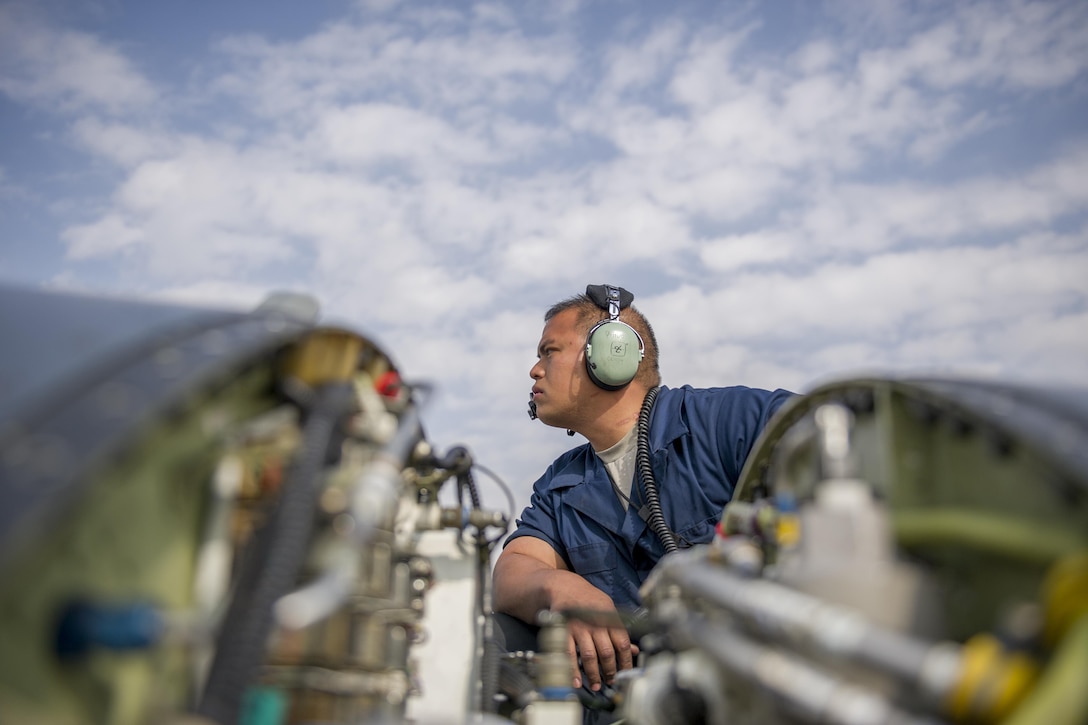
pixel 786 615
pixel 803 690
pixel 1014 537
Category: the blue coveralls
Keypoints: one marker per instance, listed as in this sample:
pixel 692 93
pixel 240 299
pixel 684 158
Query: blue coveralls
pixel 699 440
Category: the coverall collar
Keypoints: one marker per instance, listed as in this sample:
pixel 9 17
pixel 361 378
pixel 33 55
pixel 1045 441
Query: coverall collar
pixel 590 490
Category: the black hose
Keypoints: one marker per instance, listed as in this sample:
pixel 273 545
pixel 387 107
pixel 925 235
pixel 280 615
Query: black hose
pixel 518 687
pixel 467 481
pixel 490 668
pixel 274 563
pixel 489 653
pixel 459 460
pixel 656 518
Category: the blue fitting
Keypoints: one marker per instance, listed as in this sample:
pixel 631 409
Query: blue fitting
pixel 84 626
pixel 785 502
pixel 556 693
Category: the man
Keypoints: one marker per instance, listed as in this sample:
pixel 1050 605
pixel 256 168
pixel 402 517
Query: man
pixel 589 537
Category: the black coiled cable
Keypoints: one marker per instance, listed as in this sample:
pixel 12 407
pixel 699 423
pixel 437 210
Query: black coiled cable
pixel 458 459
pixel 656 518
pixel 274 564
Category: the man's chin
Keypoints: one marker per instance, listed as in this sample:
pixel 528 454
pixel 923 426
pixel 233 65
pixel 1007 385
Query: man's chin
pixel 554 421
pixel 549 420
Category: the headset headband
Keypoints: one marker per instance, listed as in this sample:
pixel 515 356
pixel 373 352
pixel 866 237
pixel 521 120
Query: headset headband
pixel 610 298
pixel 613 303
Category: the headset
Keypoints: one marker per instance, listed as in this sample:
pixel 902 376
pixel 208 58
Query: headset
pixel 614 349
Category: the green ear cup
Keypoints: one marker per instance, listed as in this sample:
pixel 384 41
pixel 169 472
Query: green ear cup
pixel 613 352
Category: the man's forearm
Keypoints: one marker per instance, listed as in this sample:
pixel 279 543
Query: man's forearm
pixel 525 584
pixel 522 585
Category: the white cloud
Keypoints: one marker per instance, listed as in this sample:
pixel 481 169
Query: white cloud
pixel 106 236
pixel 643 62
pixel 438 175
pixel 43 65
pixel 731 253
pixel 942 308
pixel 334 176
pixel 622 227
pixel 754 126
pixel 377 6
pixel 1021 43
pixel 373 134
pixel 122 143
pixel 815 56
pixel 539 258
pixel 188 215
pixel 878 216
pixel 456 63
pixel 707 75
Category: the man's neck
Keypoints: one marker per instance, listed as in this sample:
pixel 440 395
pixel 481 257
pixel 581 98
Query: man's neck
pixel 611 425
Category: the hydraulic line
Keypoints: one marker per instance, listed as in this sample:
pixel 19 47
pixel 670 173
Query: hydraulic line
pixel 1016 538
pixel 802 689
pixel 656 517
pixel 789 616
pixel 274 564
pixel 515 684
pixel 487 651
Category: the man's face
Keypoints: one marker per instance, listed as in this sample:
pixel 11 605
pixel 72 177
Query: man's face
pixel 559 375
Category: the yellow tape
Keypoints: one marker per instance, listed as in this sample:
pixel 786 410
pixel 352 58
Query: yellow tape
pixel 991 683
pixel 788 530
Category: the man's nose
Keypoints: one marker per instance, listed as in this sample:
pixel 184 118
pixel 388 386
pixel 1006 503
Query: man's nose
pixel 536 372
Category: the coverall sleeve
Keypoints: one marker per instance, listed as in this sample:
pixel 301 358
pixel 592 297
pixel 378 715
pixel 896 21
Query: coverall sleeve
pixel 742 420
pixel 538 519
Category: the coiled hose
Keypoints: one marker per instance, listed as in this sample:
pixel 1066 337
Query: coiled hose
pixel 515 684
pixel 656 518
pixel 489 653
pixel 273 564
pixel 460 460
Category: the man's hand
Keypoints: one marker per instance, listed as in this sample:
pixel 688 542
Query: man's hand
pixel 603 650
pixel 530 576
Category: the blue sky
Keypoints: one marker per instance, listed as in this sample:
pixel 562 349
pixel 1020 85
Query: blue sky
pixel 794 191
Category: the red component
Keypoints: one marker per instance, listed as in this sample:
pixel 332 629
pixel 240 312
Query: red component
pixel 271 476
pixel 388 384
